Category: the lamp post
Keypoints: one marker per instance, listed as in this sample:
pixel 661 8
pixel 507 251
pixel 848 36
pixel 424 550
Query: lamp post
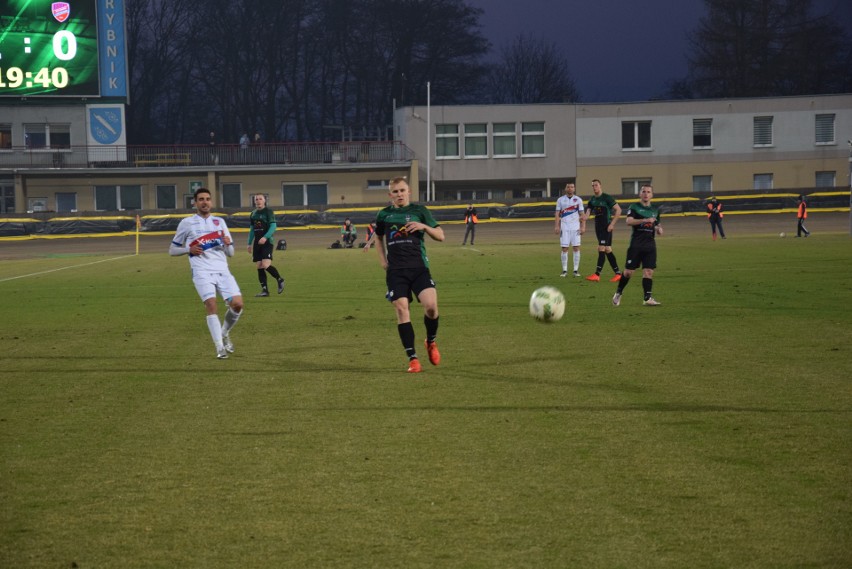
pixel 428 139
pixel 849 142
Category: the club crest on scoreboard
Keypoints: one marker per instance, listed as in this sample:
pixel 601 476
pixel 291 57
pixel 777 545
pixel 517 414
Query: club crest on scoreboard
pixel 61 11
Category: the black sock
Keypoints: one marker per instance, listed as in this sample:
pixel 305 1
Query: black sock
pixel 406 334
pixel 274 272
pixel 646 286
pixel 623 283
pixel 612 262
pixel 261 276
pixel 431 328
pixel 601 257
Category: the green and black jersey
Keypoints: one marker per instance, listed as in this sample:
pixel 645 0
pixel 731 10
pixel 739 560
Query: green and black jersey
pixel 644 233
pixel 404 250
pixel 601 207
pixel 262 225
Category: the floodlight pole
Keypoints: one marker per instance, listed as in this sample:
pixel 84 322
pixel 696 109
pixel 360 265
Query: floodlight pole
pixel 428 138
pixel 850 185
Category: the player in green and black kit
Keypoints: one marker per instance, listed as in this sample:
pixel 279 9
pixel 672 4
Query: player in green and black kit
pixel 644 218
pixel 606 211
pixel 263 227
pixel 400 230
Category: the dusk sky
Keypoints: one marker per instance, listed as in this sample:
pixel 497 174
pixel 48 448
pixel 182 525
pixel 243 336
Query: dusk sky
pixel 616 51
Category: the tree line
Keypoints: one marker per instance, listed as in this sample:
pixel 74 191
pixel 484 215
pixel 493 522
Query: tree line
pixel 305 70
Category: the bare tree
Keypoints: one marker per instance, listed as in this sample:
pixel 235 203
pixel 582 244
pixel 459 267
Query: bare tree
pixel 531 70
pixel 160 52
pixel 290 68
pixel 756 48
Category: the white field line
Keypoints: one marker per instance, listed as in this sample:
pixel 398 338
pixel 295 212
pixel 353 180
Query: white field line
pixel 63 268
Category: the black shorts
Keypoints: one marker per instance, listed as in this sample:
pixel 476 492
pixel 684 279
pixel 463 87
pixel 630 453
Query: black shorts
pixel 604 236
pixel 646 257
pixel 403 282
pixel 261 252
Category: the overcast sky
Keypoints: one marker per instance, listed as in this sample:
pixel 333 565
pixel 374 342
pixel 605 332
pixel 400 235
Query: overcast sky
pixel 616 50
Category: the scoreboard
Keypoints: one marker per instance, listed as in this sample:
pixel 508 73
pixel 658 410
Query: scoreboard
pixel 62 49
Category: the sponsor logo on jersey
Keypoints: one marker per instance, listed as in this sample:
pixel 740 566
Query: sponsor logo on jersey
pixel 208 241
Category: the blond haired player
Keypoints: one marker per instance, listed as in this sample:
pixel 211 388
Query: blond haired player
pixel 400 232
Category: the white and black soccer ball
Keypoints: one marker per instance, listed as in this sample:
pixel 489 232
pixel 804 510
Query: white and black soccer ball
pixel 547 304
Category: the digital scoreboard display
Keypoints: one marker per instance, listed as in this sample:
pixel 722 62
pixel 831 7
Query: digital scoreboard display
pixel 49 48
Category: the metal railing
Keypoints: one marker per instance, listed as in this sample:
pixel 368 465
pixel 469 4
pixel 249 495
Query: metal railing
pixel 203 155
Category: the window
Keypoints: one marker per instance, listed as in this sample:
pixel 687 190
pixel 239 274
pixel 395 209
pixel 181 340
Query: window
pixel 305 194
pixel 468 196
pixel 702 184
pixel 532 139
pixel 118 198
pixel 825 179
pixel 130 196
pixel 106 198
pixel 7 196
pixel 529 193
pixel 47 136
pixel 167 197
pixel 702 133
pixel 446 141
pixel 476 140
pixel 504 139
pixel 377 185
pixel 763 181
pixel 763 131
pixel 636 135
pixel 824 127
pixel 5 136
pixel 231 194
pixel 633 185
pixel 66 201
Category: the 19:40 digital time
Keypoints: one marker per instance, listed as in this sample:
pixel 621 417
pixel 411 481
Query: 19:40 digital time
pixel 57 77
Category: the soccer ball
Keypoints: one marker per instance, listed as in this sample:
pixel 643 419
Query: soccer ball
pixel 547 304
pixel 782 234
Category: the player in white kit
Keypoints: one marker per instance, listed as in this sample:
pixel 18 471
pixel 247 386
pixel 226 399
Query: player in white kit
pixel 570 225
pixel 207 241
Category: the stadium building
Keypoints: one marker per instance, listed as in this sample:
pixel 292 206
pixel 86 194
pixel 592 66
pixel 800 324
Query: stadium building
pixel 507 152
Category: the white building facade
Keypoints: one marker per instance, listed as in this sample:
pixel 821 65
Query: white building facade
pixel 701 146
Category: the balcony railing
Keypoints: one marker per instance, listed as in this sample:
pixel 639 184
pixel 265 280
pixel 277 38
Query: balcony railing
pixel 202 155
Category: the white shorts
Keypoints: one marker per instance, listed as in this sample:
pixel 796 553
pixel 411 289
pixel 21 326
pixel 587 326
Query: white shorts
pixel 569 237
pixel 207 284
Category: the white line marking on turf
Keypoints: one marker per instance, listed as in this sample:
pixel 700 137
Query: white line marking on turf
pixel 63 268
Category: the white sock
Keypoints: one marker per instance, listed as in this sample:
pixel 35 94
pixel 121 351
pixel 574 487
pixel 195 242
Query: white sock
pixel 576 260
pixel 564 261
pixel 215 330
pixel 231 318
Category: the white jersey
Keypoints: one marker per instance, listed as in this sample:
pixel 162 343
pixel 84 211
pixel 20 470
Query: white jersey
pixel 207 232
pixel 570 211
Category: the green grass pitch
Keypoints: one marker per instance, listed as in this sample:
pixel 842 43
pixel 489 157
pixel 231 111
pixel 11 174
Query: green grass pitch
pixel 712 431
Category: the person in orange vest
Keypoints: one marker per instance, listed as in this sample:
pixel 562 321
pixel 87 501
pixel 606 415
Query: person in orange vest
pixel 801 216
pixel 714 214
pixel 470 221
pixel 371 236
